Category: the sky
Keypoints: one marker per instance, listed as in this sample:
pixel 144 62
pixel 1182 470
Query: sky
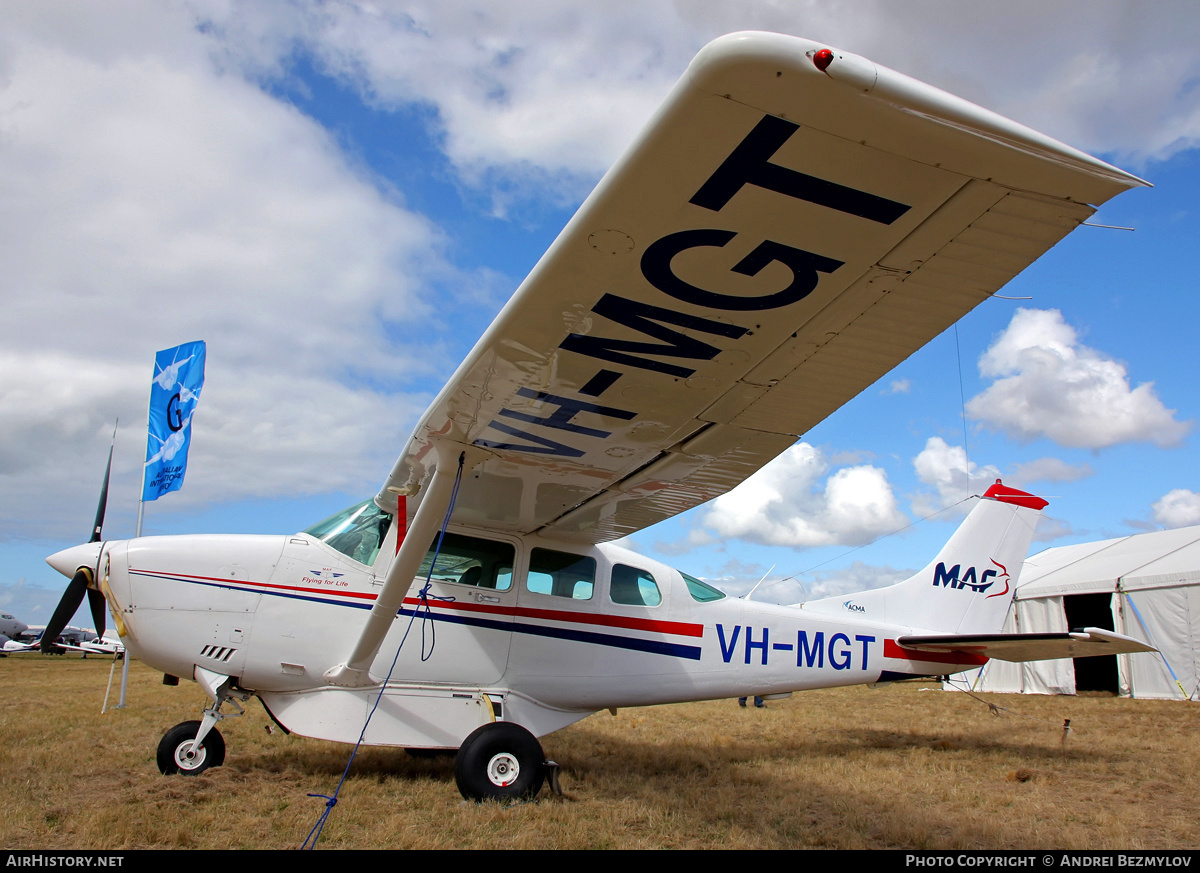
pixel 338 197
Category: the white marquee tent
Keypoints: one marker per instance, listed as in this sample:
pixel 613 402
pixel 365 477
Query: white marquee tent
pixel 1146 586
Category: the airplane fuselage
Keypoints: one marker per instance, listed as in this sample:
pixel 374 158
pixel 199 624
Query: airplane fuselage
pixel 557 635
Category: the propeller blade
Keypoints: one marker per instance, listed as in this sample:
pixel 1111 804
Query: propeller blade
pixel 73 597
pixel 99 525
pixel 99 610
pixel 70 602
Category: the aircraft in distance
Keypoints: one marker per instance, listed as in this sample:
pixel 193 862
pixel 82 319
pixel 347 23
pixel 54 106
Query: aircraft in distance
pixel 793 223
pixel 24 642
pixel 34 639
pixel 70 639
pixel 11 626
pixel 95 645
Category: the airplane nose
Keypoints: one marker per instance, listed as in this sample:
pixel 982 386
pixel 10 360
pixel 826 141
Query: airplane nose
pixel 69 560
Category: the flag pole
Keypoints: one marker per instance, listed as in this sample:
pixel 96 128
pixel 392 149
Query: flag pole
pixel 141 498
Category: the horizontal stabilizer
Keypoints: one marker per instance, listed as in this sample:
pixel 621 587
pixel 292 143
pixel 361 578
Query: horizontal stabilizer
pixel 1031 647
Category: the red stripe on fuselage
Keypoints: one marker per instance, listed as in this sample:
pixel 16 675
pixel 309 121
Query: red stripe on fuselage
pixel 663 627
pixel 359 595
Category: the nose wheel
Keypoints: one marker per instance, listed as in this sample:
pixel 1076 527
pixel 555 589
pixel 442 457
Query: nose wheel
pixel 500 761
pixel 178 751
pixel 192 747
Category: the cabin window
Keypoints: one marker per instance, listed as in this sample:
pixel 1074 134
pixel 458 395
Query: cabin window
pixel 465 560
pixel 561 574
pixel 356 532
pixel 633 587
pixel 701 592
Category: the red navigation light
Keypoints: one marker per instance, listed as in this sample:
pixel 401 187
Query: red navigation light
pixel 823 58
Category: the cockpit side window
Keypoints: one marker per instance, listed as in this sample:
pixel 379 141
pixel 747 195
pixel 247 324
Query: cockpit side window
pixel 356 532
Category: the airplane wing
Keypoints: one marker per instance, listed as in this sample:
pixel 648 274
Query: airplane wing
pixel 1032 647
pixel 792 224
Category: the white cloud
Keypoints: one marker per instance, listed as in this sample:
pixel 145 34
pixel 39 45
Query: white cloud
pixel 1179 507
pixel 785 504
pixel 1050 529
pixel 547 93
pixel 738 579
pixel 945 468
pixel 155 192
pixel 1048 384
pixel 849 580
pixel 1110 76
pixel 150 199
pixel 1049 470
pixel 540 94
pixel 30 603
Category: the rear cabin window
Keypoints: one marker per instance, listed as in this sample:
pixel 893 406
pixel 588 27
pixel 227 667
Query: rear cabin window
pixel 465 560
pixel 561 574
pixel 633 587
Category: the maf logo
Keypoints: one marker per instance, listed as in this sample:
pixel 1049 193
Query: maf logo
pixel 976 582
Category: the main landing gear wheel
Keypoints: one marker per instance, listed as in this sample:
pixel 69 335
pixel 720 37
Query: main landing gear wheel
pixel 177 755
pixel 499 761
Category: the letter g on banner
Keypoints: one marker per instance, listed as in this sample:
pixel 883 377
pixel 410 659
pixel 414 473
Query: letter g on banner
pixel 174 413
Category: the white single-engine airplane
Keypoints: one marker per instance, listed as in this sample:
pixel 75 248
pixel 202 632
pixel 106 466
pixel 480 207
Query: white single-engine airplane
pixel 792 224
pixel 94 645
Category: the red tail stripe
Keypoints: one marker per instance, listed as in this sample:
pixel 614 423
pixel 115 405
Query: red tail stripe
pixel 892 649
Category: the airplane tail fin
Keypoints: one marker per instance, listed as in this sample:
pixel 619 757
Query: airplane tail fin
pixel 968 587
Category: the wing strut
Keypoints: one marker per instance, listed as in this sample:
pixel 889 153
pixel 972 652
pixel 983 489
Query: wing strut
pixel 355 672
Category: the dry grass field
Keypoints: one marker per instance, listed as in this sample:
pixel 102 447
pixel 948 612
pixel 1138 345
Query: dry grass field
pixel 890 767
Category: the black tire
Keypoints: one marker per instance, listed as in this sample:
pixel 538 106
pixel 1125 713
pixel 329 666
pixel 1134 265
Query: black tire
pixel 174 750
pixel 499 761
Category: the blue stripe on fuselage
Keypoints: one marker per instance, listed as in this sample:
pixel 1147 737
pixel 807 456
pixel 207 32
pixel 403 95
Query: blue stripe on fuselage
pixel 653 647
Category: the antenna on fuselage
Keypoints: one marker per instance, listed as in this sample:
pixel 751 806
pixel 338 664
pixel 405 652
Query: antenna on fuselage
pixel 759 582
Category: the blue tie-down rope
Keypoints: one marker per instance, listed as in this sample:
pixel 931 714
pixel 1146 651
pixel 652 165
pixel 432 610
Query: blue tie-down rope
pixel 310 842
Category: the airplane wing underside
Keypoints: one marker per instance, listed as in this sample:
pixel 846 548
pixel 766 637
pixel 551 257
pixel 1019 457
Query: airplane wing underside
pixel 1032 647
pixel 777 239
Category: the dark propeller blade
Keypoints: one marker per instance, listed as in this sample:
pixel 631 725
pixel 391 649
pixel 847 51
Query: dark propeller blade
pixel 73 596
pixel 99 525
pixel 99 610
pixel 70 602
pixel 95 597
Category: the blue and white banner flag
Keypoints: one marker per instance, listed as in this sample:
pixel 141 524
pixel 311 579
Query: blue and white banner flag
pixel 178 378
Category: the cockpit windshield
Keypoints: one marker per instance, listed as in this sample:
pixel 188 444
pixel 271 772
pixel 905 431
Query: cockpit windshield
pixel 356 532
